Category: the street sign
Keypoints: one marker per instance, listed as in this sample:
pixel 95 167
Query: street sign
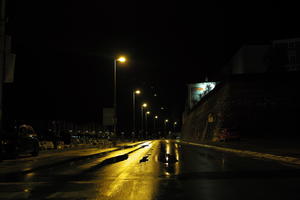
pixel 210 118
pixel 108 116
pixel 10 60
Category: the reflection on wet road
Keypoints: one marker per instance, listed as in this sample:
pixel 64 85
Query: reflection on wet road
pixel 165 169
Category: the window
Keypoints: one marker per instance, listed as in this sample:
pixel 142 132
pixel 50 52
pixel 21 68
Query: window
pixel 292 59
pixel 291 44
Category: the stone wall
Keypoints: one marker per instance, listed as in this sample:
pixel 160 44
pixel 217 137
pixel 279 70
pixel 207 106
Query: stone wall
pixel 260 106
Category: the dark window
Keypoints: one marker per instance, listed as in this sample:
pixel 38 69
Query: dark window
pixel 291 44
pixel 292 59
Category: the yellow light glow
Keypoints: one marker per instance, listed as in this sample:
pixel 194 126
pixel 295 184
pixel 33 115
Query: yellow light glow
pixel 168 149
pixel 175 123
pixel 144 105
pixel 148 112
pixel 137 92
pixel 156 117
pixel 121 59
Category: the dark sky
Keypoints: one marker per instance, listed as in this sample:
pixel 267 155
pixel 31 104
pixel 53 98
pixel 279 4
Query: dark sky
pixel 65 51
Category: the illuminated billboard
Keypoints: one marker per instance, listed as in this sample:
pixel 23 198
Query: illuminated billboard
pixel 197 91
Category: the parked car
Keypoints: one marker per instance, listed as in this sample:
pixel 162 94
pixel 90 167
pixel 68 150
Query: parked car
pixel 229 134
pixel 22 140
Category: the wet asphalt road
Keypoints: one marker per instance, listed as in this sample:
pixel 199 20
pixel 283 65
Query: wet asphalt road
pixel 153 170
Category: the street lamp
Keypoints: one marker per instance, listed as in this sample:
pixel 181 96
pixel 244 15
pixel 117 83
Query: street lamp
pixel 134 93
pixel 121 59
pixel 174 126
pixel 165 123
pixel 144 105
pixel 154 123
pixel 146 122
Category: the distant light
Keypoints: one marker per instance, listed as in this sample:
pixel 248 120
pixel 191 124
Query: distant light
pixel 155 95
pixel 162 108
pixel 121 59
pixel 156 117
pixel 166 120
pixel 175 123
pixel 144 105
pixel 137 92
pixel 148 112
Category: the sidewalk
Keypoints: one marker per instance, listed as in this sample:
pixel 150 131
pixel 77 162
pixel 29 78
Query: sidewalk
pixel 25 164
pixel 278 147
pixel 282 150
pixel 62 148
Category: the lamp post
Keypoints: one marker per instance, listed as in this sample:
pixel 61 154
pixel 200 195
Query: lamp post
pixel 154 123
pixel 2 62
pixel 146 122
pixel 134 93
pixel 165 123
pixel 122 60
pixel 174 126
pixel 144 105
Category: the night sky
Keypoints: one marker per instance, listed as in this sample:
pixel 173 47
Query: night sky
pixel 65 52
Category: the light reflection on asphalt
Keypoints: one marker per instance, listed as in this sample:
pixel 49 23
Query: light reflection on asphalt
pixel 131 179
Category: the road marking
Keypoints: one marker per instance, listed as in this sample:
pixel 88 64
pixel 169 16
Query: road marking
pixel 287 159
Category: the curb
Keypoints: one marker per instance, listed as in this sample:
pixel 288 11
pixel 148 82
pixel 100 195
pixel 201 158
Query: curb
pixel 286 159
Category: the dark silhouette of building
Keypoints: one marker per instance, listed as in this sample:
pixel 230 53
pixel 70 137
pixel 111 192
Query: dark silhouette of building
pixel 285 55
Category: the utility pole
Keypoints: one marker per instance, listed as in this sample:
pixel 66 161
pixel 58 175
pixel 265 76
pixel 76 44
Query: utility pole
pixel 2 57
pixel 115 97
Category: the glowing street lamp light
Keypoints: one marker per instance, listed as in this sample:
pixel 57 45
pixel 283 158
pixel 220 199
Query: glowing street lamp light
pixel 121 59
pixel 134 93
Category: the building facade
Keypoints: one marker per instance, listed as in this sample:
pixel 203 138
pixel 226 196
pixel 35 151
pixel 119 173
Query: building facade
pixel 285 55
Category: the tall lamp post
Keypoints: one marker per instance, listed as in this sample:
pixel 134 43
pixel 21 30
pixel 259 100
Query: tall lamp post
pixel 144 105
pixel 134 93
pixel 154 123
pixel 165 123
pixel 146 122
pixel 174 126
pixel 2 62
pixel 122 60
